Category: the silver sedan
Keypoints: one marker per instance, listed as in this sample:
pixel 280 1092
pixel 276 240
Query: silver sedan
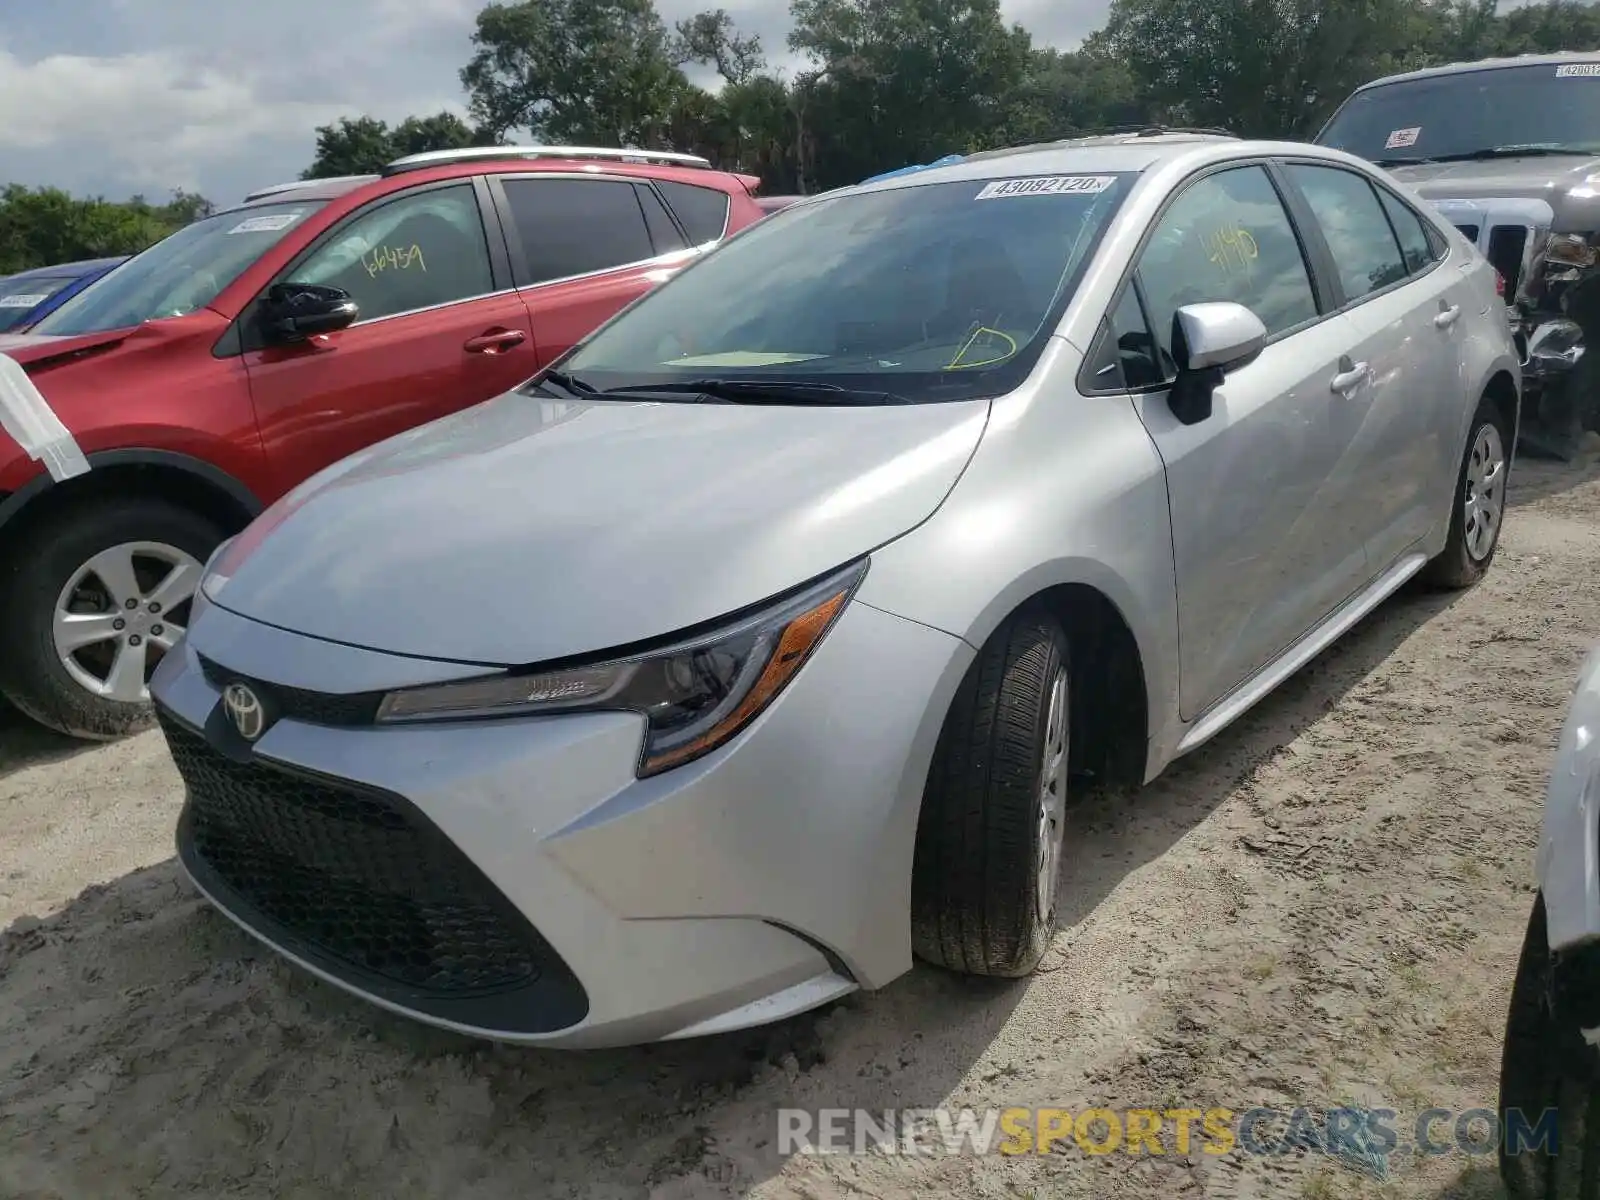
pixel 761 642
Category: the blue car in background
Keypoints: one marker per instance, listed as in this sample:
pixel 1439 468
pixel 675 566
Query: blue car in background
pixel 28 296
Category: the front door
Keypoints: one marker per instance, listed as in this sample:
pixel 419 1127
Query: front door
pixel 1262 544
pixel 435 333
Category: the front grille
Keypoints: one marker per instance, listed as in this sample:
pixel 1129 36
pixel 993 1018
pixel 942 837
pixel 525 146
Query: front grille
pixel 298 704
pixel 360 882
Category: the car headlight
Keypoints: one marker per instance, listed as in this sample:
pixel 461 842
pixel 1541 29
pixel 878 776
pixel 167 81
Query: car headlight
pixel 695 695
pixel 212 580
pixel 1570 250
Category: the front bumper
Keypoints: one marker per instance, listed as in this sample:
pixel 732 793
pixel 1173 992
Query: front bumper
pixel 512 879
pixel 1569 855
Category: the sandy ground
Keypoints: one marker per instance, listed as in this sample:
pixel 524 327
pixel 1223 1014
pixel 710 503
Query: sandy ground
pixel 1323 906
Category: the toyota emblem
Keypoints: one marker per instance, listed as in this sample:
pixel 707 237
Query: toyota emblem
pixel 245 710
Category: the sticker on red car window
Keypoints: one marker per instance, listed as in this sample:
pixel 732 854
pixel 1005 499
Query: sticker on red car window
pixel 1578 70
pixel 21 301
pixel 1046 185
pixel 267 224
pixel 1402 138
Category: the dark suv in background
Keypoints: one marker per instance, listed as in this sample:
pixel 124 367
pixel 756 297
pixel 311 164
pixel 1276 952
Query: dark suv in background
pixel 1509 150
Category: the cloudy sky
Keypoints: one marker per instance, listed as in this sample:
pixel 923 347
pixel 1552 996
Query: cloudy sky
pixel 113 97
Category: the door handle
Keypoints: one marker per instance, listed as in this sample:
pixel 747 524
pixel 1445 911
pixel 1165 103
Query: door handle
pixel 1349 380
pixel 1447 317
pixel 496 341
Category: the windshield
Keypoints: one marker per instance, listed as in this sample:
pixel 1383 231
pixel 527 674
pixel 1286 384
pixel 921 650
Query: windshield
pixel 940 291
pixel 19 297
pixel 1548 107
pixel 179 274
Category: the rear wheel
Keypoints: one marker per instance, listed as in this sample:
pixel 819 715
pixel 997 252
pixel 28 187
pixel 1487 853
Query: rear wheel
pixel 988 854
pixel 1479 510
pixel 89 605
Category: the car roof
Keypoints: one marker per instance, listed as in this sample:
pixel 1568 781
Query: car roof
pixel 86 266
pixel 1487 64
pixel 484 160
pixel 1104 154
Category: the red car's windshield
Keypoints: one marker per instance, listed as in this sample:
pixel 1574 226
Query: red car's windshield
pixel 179 274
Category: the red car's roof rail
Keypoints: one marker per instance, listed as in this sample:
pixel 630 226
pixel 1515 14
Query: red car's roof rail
pixel 438 158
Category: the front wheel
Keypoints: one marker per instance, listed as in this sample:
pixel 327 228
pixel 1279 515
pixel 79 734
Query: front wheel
pixel 1479 509
pixel 89 604
pixel 988 852
pixel 1547 1068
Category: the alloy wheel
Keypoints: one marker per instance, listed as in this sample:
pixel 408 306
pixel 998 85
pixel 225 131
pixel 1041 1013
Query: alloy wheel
pixel 1052 808
pixel 1485 499
pixel 120 612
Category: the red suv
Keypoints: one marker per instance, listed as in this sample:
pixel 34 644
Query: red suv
pixel 213 372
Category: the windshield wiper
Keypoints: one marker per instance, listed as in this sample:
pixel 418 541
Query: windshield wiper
pixel 570 382
pixel 1484 155
pixel 1510 152
pixel 764 391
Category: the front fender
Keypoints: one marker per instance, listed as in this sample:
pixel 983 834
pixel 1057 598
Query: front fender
pixel 1568 847
pixel 1064 489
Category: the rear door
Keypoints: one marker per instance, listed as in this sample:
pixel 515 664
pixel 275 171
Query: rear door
pixel 1262 547
pixel 1406 317
pixel 440 329
pixel 583 247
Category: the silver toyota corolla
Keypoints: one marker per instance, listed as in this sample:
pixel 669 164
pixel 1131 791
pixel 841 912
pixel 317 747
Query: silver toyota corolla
pixel 758 644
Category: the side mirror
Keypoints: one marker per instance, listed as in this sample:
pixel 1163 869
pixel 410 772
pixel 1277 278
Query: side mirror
pixel 293 312
pixel 1209 341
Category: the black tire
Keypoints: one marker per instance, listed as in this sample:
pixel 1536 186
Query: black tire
pixel 974 898
pixel 1456 567
pixel 1545 1065
pixel 32 576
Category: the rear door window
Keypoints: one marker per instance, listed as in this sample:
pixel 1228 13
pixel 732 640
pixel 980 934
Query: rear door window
pixel 1415 245
pixel 702 211
pixel 664 235
pixel 1352 220
pixel 571 227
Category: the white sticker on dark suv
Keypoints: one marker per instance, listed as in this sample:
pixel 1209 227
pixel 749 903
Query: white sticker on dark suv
pixel 1583 70
pixel 1401 138
pixel 1046 185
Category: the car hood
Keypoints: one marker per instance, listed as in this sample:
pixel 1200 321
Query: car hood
pixel 32 349
pixel 1567 184
pixel 529 529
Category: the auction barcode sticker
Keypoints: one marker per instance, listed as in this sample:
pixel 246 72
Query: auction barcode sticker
pixel 1046 185
pixel 267 224
pixel 21 301
pixel 1586 70
pixel 1401 138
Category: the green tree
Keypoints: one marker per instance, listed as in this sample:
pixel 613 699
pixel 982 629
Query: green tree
pixel 711 38
pixel 350 146
pixel 1265 68
pixel 583 71
pixel 40 227
pixel 1546 28
pixel 1071 93
pixel 901 81
pixel 442 131
pixel 365 145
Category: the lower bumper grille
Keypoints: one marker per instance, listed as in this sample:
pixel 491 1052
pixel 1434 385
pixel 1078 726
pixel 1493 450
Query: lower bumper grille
pixel 361 884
